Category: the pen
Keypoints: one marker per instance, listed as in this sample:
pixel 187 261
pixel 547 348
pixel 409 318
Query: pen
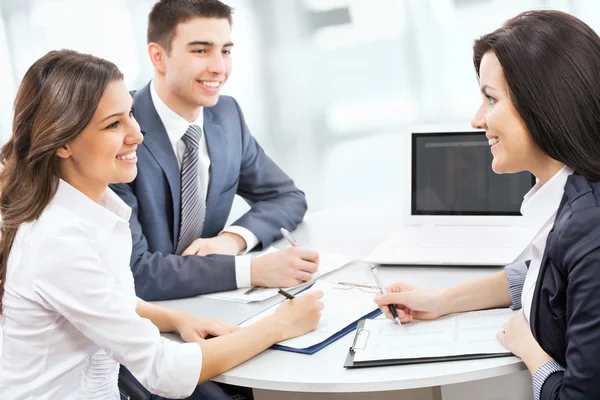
pixel 253 289
pixel 360 285
pixel 384 291
pixel 288 236
pixel 285 294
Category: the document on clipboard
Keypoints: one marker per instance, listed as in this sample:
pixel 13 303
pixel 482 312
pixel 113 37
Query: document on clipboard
pixel 344 307
pixel 463 336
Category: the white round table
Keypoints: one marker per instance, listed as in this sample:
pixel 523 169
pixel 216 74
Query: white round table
pixel 354 231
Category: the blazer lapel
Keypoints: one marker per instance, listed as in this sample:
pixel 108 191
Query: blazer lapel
pixel 157 141
pixel 218 160
pixel 534 321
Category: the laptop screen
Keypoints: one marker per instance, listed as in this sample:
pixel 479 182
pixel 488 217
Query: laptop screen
pixel 452 175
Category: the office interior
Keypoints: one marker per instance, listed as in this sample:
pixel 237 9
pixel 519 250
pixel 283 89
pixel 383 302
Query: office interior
pixel 327 86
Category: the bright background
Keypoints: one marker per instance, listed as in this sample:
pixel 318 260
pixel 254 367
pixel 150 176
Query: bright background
pixel 327 86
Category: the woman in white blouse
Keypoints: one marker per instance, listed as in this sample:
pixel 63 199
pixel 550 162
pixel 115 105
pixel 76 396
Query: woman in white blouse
pixel 69 313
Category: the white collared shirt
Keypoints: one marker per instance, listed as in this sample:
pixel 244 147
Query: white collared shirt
pixel 69 313
pixel 539 208
pixel 176 126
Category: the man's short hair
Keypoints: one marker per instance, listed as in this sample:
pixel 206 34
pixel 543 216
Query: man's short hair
pixel 167 14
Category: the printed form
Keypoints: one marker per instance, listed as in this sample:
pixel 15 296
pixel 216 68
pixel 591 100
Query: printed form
pixel 457 334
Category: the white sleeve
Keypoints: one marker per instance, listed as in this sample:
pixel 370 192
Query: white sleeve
pixel 250 238
pixel 243 271
pixel 72 281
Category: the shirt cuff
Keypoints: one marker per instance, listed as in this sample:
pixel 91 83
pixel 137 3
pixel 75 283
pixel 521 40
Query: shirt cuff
pixel 249 237
pixel 541 374
pixel 515 274
pixel 181 371
pixel 243 278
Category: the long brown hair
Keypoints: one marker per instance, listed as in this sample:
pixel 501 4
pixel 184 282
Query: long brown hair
pixel 56 100
pixel 551 61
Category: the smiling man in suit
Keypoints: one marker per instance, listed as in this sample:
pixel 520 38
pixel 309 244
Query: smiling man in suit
pixel 197 154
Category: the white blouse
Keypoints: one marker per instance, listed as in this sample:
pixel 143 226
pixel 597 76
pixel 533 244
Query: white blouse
pixel 69 314
pixel 539 208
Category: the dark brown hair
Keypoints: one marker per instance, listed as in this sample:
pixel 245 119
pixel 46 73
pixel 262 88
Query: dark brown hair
pixel 551 62
pixel 55 101
pixel 167 14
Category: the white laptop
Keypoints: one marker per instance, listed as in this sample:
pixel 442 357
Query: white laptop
pixel 457 210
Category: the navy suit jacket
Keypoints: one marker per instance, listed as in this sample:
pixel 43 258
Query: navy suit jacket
pixel 238 165
pixel 565 314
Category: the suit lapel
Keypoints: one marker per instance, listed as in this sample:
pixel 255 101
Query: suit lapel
pixel 534 321
pixel 218 160
pixel 158 144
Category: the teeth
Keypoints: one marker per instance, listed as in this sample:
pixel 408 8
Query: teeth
pixel 493 141
pixel 211 84
pixel 129 156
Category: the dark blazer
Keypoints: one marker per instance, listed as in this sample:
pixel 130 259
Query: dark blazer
pixel 238 166
pixel 565 314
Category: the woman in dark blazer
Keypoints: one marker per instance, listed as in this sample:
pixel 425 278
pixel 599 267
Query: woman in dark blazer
pixel 539 76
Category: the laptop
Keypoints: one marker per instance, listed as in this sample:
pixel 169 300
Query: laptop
pixel 457 211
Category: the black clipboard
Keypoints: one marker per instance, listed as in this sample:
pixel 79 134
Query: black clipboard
pixel 362 336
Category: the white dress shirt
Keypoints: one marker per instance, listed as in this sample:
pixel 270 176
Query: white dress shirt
pixel 176 126
pixel 539 208
pixel 70 316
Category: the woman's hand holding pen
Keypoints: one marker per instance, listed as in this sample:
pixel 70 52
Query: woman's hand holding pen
pixel 298 316
pixel 411 302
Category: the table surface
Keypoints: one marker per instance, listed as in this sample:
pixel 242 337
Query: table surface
pixel 352 230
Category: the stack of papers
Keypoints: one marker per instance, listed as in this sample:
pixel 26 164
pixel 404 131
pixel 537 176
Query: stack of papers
pixel 344 307
pixel 327 264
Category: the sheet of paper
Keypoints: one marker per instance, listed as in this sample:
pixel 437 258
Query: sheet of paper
pixel 327 263
pixel 458 334
pixel 343 305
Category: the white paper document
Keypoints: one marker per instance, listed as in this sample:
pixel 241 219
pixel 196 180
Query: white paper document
pixel 327 263
pixel 343 306
pixel 458 334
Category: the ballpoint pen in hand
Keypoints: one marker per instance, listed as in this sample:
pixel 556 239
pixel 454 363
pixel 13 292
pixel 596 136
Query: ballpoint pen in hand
pixel 384 291
pixel 288 236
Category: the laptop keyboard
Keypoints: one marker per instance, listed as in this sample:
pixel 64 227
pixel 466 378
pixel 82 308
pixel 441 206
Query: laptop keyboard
pixel 457 237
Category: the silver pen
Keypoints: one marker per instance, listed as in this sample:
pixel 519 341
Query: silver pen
pixel 384 291
pixel 359 285
pixel 288 236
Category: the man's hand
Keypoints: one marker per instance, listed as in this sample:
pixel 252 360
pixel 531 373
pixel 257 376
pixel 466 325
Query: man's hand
pixel 194 329
pixel 226 243
pixel 285 268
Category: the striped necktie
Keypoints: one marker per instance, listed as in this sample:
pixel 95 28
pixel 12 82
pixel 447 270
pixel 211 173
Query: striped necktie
pixel 193 206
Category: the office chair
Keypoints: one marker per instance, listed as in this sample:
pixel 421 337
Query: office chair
pixel 129 391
